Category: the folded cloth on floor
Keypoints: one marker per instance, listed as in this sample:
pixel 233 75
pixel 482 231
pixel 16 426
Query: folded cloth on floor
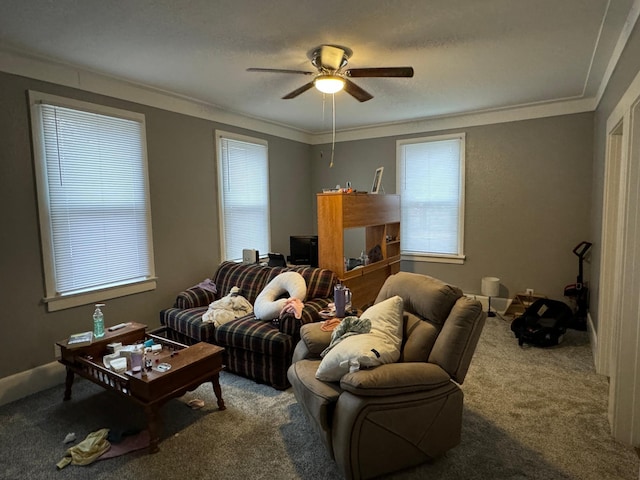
pixel 88 450
pixel 130 443
pixel 117 435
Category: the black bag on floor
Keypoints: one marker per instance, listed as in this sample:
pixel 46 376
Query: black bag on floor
pixel 543 324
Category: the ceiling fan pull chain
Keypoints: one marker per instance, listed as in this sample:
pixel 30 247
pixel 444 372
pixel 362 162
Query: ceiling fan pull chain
pixel 333 130
pixel 324 96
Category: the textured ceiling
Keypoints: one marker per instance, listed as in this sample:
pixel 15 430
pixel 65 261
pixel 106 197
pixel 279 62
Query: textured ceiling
pixel 468 55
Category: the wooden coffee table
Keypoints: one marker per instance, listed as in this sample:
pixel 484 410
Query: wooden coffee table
pixel 191 366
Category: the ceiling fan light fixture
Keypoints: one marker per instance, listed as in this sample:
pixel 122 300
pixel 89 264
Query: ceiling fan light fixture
pixel 329 83
pixel 332 75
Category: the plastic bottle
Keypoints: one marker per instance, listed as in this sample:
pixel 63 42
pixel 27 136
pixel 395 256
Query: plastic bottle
pixel 98 321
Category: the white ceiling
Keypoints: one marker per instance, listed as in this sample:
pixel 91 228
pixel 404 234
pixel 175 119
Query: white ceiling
pixel 468 55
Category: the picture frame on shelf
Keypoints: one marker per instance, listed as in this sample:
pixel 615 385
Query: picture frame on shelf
pixel 377 181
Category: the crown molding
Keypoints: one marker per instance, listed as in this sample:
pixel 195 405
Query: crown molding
pixel 27 65
pixel 467 119
pixel 627 29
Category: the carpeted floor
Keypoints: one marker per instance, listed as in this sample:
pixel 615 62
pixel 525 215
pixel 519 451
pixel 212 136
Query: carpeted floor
pixel 529 414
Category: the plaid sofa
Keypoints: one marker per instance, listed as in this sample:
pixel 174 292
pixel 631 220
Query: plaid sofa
pixel 256 349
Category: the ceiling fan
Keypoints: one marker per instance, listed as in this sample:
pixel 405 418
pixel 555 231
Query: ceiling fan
pixel 331 74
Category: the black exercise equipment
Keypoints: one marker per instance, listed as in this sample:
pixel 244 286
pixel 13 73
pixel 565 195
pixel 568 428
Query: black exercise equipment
pixel 578 292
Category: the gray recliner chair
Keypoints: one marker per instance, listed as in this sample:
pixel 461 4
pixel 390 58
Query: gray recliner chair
pixel 402 414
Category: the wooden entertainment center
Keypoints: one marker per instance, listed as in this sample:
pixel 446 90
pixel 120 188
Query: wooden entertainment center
pixel 380 217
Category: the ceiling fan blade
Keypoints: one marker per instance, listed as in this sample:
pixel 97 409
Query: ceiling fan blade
pixel 298 91
pixel 356 92
pixel 331 57
pixel 280 70
pixel 380 72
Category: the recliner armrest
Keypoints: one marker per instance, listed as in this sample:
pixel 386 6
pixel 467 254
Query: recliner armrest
pixel 458 338
pixel 395 379
pixel 315 338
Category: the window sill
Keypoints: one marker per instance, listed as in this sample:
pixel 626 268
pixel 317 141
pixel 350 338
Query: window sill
pixel 96 296
pixel 431 258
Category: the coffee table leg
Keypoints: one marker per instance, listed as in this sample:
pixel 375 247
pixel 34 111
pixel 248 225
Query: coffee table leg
pixel 68 382
pixel 153 423
pixel 215 381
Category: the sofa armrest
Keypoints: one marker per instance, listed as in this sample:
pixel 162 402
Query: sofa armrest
pixel 194 297
pixel 395 379
pixel 290 325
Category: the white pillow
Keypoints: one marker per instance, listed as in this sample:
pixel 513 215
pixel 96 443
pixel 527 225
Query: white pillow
pixel 268 305
pixel 381 345
pixel 386 319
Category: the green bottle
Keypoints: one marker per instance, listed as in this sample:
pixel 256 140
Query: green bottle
pixel 98 321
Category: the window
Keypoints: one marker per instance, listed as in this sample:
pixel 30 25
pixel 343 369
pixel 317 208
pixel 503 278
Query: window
pixel 243 176
pixel 430 176
pixel 93 195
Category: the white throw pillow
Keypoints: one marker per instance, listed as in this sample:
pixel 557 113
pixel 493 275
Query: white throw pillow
pixel 381 345
pixel 268 305
pixel 386 319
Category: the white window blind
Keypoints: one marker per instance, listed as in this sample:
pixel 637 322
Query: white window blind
pixel 94 200
pixel 244 194
pixel 431 185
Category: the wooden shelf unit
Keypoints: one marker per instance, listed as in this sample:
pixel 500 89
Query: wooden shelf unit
pixel 380 216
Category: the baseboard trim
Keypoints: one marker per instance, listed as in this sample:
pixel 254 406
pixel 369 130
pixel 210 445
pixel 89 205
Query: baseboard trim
pixel 593 338
pixel 498 304
pixel 32 381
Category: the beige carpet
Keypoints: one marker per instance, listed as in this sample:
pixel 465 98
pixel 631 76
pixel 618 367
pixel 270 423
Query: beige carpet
pixel 530 414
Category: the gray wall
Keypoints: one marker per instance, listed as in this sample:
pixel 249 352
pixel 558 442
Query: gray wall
pixel 528 188
pixel 183 185
pixel 527 205
pixel 624 73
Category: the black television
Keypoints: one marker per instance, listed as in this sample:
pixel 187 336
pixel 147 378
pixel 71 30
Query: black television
pixel 304 250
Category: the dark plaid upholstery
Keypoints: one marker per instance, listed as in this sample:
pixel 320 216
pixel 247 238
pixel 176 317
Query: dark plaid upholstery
pixel 263 369
pixel 253 348
pixel 251 279
pixel 249 333
pixel 319 281
pixel 188 323
pixel 194 297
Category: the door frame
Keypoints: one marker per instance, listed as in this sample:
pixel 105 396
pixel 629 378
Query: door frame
pixel 618 336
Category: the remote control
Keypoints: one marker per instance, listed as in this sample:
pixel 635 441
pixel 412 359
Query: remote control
pixel 117 327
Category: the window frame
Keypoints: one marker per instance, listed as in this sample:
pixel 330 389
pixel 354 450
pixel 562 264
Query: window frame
pixel 59 301
pixel 459 257
pixel 219 135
